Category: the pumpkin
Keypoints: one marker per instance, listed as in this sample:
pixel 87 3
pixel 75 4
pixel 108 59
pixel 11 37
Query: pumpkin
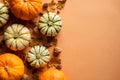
pixel 17 37
pixel 50 24
pixel 52 74
pixel 38 56
pixel 26 9
pixel 3 14
pixel 11 67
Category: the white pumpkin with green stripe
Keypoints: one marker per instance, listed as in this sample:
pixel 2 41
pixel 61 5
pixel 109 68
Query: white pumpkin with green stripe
pixel 38 56
pixel 17 37
pixel 50 24
pixel 4 16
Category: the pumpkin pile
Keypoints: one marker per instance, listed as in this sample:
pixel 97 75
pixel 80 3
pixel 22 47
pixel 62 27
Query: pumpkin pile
pixel 28 40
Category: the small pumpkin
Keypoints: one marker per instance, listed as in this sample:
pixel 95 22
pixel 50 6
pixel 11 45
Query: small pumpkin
pixel 50 24
pixel 53 74
pixel 38 56
pixel 17 37
pixel 3 14
pixel 26 9
pixel 11 67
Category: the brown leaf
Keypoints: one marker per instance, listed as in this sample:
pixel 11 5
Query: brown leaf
pixel 52 6
pixel 61 4
pixel 34 42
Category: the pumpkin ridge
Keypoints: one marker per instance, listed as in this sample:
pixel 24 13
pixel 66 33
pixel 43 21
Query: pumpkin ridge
pixel 43 52
pixel 14 8
pixel 19 31
pixel 1 22
pixel 31 52
pixel 44 60
pixel 10 44
pixel 44 28
pixel 53 31
pixel 36 1
pixel 57 21
pixel 49 17
pixel 3 17
pixel 22 43
pixel 24 33
pixel 31 11
pixel 33 8
pixel 47 31
pixel 2 63
pixel 42 21
pixel 12 74
pixel 8 33
pixel 24 11
pixel 53 18
pixel 42 49
pixel 32 3
pixel 45 19
pixel 24 39
pixel 28 10
pixel 15 47
pixel 2 6
pixel 35 50
pixel 8 38
pixel 13 29
pixel 4 12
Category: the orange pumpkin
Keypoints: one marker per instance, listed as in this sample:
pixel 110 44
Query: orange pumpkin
pixel 11 67
pixel 26 9
pixel 52 74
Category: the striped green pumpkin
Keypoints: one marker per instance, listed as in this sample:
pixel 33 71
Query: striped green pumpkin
pixel 3 14
pixel 38 56
pixel 50 24
pixel 17 37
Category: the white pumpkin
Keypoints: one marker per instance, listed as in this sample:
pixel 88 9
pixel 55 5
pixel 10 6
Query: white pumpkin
pixel 38 56
pixel 50 24
pixel 3 14
pixel 17 37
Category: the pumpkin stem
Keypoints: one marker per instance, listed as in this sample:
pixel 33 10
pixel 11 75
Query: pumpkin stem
pixel 6 68
pixel 50 23
pixel 15 36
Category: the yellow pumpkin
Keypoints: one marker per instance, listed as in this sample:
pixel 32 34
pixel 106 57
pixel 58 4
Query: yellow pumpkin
pixel 26 9
pixel 52 74
pixel 11 67
pixel 17 37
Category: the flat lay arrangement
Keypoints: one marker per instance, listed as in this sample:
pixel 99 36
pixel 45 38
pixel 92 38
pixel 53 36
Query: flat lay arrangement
pixel 28 40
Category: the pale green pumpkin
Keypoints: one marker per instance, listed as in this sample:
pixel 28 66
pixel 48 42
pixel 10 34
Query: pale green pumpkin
pixel 50 24
pixel 38 56
pixel 4 16
pixel 17 37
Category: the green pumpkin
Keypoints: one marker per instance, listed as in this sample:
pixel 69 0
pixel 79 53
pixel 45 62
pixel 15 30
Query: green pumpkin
pixel 50 24
pixel 3 14
pixel 17 37
pixel 38 56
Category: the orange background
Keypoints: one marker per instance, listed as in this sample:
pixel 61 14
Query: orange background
pixel 90 39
